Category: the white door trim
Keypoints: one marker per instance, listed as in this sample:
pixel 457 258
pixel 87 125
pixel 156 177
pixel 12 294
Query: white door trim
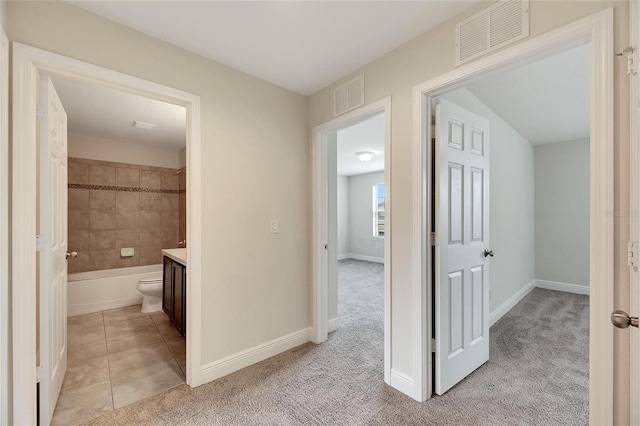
pixel 598 30
pixel 634 209
pixel 4 229
pixel 320 302
pixel 27 63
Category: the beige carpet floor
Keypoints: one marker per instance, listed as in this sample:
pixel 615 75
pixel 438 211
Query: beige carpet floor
pixel 537 374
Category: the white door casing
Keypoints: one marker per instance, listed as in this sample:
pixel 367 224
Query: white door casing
pixel 53 247
pixel 462 226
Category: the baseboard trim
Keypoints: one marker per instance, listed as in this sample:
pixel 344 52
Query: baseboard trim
pixel 89 308
pixel 402 382
pixel 361 257
pixel 334 324
pixel 558 286
pixel 505 307
pixel 216 369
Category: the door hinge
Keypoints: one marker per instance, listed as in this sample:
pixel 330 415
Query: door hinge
pixel 326 246
pixel 433 345
pixel 632 66
pixel 41 374
pixel 433 239
pixel 632 254
pixel 39 242
pixel 41 112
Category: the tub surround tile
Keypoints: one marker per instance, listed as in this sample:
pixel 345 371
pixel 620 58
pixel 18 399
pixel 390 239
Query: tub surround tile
pixel 125 262
pixel 102 200
pixel 150 238
pixel 170 180
pixel 85 161
pixel 170 219
pixel 169 202
pixel 78 173
pixel 102 220
pixel 127 201
pixel 78 220
pixel 127 219
pixel 103 259
pixel 128 177
pixel 114 164
pixel 78 241
pixel 150 179
pixel 78 199
pixel 127 238
pixel 150 201
pixel 170 238
pixel 83 404
pixel 102 240
pixel 102 175
pixel 150 255
pixel 150 220
pixel 80 263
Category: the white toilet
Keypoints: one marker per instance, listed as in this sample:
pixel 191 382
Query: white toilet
pixel 151 290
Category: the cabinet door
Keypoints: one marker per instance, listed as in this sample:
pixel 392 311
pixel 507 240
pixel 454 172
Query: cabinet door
pixel 178 297
pixel 166 285
pixel 184 300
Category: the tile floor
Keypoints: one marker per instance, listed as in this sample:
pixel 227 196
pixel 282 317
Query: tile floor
pixel 115 358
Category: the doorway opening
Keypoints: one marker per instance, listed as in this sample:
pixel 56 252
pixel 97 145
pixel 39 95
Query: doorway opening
pixel 524 231
pixel 126 209
pixel 352 218
pixel 30 64
pixel 596 32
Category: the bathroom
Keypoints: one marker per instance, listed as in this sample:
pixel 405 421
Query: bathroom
pixel 126 211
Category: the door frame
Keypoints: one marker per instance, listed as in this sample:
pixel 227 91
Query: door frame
pixel 597 30
pixel 634 213
pixel 320 221
pixel 28 62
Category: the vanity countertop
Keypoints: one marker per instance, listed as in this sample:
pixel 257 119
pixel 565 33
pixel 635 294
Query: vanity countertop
pixel 178 254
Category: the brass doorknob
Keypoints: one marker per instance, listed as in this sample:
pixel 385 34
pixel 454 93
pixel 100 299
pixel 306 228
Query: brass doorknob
pixel 622 320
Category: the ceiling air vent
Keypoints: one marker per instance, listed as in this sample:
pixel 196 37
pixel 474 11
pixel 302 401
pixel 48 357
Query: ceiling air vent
pixel 348 96
pixel 494 27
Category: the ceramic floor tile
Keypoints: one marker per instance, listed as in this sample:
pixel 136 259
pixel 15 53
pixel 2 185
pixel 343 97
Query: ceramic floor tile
pixel 128 312
pixel 78 354
pixel 137 358
pixel 134 339
pixel 86 320
pixel 165 326
pixel 79 337
pixel 178 347
pixel 83 404
pixel 89 372
pixel 142 383
pixel 128 326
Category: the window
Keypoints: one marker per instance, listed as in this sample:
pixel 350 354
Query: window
pixel 378 210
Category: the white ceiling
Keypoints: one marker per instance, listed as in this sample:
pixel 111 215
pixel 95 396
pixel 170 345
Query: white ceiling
pixel 367 135
pixel 546 101
pixel 301 45
pixel 108 113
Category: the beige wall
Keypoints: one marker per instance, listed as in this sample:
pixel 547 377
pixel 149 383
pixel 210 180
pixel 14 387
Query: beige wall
pixel 430 55
pixel 96 148
pixel 255 155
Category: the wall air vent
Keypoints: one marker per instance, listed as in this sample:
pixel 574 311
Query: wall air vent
pixel 348 96
pixel 495 27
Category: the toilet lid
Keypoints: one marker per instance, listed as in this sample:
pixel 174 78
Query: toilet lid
pixel 151 281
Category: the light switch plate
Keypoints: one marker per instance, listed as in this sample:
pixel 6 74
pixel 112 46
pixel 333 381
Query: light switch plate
pixel 275 226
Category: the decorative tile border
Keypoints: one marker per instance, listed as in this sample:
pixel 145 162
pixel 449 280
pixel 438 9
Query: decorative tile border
pixel 125 188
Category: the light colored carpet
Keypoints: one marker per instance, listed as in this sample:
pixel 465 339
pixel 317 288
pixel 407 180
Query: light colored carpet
pixel 537 374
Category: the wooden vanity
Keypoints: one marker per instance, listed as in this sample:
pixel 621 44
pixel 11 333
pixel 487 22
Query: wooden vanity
pixel 174 287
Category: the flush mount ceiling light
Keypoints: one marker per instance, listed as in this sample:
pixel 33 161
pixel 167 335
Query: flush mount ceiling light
pixel 143 125
pixel 364 155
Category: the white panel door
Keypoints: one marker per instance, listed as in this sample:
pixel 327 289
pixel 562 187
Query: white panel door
pixel 462 224
pixel 53 263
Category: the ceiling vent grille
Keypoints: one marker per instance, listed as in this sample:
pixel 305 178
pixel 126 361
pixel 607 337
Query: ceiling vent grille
pixel 348 96
pixel 491 29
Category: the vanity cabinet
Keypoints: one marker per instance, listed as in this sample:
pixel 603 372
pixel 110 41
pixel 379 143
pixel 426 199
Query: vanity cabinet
pixel 174 293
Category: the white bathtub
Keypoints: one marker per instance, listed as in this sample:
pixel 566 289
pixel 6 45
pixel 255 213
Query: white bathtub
pixel 96 291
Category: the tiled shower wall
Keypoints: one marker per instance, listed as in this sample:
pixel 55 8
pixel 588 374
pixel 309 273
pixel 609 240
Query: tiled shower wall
pixel 118 205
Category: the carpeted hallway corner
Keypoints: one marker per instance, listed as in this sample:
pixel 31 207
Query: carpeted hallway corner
pixel 537 374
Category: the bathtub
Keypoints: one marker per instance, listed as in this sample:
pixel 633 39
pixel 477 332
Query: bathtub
pixel 96 291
